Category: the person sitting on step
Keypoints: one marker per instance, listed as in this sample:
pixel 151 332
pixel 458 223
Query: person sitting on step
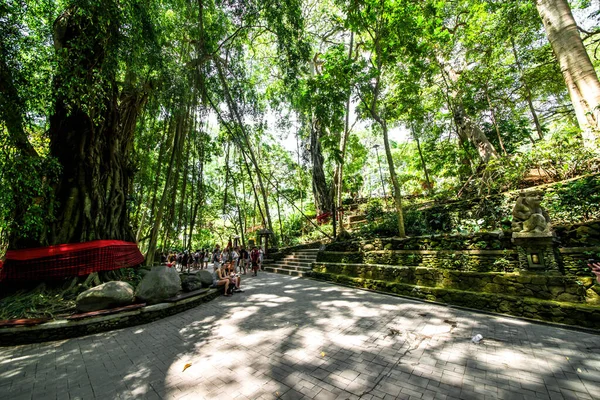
pixel 234 281
pixel 220 280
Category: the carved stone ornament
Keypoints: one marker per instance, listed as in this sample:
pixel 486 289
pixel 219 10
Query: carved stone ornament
pixel 528 214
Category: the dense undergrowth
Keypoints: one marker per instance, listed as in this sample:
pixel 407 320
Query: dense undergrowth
pixel 53 299
pixel 567 202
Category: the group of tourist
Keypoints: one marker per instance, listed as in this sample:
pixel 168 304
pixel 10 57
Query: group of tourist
pixel 185 260
pixel 237 259
pixel 228 264
pixel 199 259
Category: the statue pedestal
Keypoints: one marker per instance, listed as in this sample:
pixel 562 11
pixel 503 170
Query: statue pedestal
pixel 536 251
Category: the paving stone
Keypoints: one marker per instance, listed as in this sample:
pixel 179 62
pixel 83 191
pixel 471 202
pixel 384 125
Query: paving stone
pixel 338 350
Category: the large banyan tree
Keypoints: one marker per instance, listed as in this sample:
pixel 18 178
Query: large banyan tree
pixel 97 98
pixel 104 61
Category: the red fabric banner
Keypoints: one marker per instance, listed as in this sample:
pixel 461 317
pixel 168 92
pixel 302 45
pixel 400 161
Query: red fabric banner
pixel 66 260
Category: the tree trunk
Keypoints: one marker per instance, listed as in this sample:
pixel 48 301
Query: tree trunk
pixel 495 122
pixel 474 134
pixel 183 197
pixel 423 164
pixel 279 212
pixel 339 173
pixel 200 189
pixel 92 141
pixel 397 193
pixel 171 228
pixel 245 146
pixel 577 69
pixel 319 184
pixel 239 210
pixel 163 200
pixel 388 151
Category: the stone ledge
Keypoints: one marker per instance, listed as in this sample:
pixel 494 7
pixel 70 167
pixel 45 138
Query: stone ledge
pixel 467 251
pixel 562 288
pixel 64 329
pixel 575 250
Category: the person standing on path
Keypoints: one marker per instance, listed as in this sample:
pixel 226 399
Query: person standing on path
pixel 244 259
pixel 254 259
pixel 216 256
pixel 235 259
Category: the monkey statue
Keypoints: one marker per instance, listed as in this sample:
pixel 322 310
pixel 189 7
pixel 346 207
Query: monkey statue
pixel 528 215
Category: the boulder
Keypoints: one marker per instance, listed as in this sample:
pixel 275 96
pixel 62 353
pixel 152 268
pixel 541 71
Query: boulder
pixel 199 280
pixel 159 284
pixel 190 283
pixel 205 277
pixel 108 295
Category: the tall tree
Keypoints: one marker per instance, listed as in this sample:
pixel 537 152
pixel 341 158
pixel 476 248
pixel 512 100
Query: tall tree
pixel 92 127
pixel 577 69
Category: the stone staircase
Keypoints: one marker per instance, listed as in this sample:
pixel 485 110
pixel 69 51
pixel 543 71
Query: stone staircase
pixel 355 221
pixel 297 263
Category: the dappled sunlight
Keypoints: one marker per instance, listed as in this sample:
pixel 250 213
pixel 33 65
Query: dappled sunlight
pixel 269 298
pixel 10 374
pixel 351 341
pixel 307 338
pixel 356 309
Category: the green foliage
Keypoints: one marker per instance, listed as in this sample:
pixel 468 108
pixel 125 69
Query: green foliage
pixel 41 302
pixel 562 157
pixel 412 61
pixel 574 201
pixel 374 210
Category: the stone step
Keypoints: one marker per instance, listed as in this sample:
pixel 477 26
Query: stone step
pixel 284 271
pixel 291 267
pixel 292 258
pixel 356 218
pixel 300 257
pixel 300 265
pixel 297 263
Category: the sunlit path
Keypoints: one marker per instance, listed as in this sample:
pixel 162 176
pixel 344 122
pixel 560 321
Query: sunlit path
pixel 295 338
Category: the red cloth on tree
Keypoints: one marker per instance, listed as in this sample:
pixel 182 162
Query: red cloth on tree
pixel 66 260
pixel 322 218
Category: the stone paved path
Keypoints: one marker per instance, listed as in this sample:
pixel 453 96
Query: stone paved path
pixel 299 339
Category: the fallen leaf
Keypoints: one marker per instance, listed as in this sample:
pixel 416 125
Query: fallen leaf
pixel 578 369
pixel 322 354
pixel 186 366
pixel 567 358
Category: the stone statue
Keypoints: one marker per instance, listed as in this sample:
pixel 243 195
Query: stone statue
pixel 528 215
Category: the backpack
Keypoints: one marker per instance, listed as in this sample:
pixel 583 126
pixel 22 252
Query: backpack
pixel 230 288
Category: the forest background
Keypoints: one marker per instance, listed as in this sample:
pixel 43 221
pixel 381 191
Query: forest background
pixel 181 123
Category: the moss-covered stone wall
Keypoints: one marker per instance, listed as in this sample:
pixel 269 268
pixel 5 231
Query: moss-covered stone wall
pixel 482 252
pixel 545 287
pixel 460 260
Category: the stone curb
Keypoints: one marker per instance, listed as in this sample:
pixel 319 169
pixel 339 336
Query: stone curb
pixel 65 329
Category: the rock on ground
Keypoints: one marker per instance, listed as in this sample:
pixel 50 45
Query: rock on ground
pixel 107 295
pixel 159 284
pixel 205 277
pixel 201 279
